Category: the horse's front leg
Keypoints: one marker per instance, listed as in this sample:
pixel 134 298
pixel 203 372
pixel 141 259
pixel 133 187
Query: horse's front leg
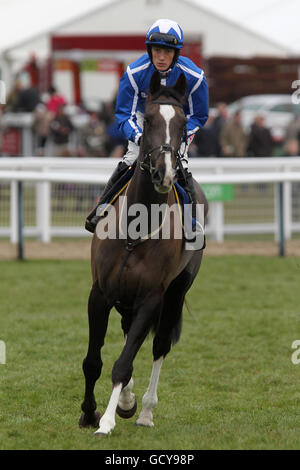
pixel 127 403
pixel 98 313
pixel 123 367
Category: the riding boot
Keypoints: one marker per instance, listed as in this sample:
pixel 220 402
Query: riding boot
pixel 185 179
pixel 93 218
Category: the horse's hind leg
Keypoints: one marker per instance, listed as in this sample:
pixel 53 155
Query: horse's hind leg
pixel 98 312
pixel 150 399
pixel 168 332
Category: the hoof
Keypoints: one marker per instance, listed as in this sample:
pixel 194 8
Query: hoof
pixel 145 420
pixel 100 434
pixel 144 425
pixel 126 414
pixel 86 421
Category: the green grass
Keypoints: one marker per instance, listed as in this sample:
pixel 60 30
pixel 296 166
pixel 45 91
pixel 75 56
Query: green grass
pixel 228 384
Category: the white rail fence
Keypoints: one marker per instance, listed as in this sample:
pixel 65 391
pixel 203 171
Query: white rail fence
pixel 43 172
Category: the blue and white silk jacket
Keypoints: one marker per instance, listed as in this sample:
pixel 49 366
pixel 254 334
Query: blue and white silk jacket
pixel 134 86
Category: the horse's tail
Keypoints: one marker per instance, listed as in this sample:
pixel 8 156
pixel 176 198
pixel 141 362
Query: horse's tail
pixel 176 332
pixel 174 300
pixel 186 303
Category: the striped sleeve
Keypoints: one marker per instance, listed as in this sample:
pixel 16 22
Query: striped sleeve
pixel 197 101
pixel 126 107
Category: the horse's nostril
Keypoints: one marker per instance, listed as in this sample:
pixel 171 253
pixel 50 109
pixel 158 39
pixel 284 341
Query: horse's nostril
pixel 157 177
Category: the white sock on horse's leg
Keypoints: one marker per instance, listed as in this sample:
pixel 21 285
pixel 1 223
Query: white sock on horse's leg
pixel 108 420
pixel 127 398
pixel 150 399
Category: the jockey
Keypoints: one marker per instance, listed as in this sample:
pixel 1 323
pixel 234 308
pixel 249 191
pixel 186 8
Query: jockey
pixel 164 40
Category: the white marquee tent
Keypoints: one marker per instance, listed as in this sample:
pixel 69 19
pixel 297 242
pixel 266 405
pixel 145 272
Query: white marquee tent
pixel 274 23
pixel 231 28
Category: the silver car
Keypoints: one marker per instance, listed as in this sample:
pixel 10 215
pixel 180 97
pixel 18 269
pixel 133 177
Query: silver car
pixel 278 110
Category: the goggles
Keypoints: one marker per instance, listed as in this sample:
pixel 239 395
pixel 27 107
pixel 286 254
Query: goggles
pixel 163 37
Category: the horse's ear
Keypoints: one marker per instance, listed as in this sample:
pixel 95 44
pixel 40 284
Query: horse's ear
pixel 154 83
pixel 180 85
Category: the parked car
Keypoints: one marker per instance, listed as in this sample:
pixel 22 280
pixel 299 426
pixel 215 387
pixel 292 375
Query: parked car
pixel 278 111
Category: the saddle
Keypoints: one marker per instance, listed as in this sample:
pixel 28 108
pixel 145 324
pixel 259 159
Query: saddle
pixel 181 195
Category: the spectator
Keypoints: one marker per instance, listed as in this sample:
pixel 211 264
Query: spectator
pixel 41 127
pixel 260 139
pixel 218 124
pixel 204 143
pixel 27 100
pixel 293 129
pixel 61 127
pixel 13 96
pixel 55 101
pixel 117 145
pixel 291 148
pixel 107 113
pixel 94 139
pixel 233 138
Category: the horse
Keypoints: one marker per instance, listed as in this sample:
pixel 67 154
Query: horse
pixel 147 279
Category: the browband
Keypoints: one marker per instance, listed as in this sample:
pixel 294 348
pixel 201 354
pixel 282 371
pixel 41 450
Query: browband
pixel 166 102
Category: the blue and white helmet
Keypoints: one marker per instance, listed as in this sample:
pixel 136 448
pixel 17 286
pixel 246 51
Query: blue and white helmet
pixel 165 33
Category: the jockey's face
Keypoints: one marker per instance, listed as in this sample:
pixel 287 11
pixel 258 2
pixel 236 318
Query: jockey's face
pixel 162 58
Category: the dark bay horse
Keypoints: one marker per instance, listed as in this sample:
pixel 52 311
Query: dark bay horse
pixel 146 279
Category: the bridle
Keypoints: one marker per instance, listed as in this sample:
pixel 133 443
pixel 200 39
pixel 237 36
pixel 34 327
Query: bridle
pixel 146 164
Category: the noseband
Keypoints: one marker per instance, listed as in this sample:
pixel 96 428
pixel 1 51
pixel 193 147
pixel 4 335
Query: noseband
pixel 146 163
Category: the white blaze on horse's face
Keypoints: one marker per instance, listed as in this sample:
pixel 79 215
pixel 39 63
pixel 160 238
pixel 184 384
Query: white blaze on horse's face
pixel 168 112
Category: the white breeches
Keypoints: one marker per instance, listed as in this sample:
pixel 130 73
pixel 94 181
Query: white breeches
pixel 133 152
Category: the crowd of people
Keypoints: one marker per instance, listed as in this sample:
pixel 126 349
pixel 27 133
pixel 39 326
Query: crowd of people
pixel 56 135
pixel 225 136
pixel 58 132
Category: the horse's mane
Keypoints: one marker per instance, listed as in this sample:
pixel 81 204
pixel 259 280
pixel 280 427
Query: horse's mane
pixel 167 92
